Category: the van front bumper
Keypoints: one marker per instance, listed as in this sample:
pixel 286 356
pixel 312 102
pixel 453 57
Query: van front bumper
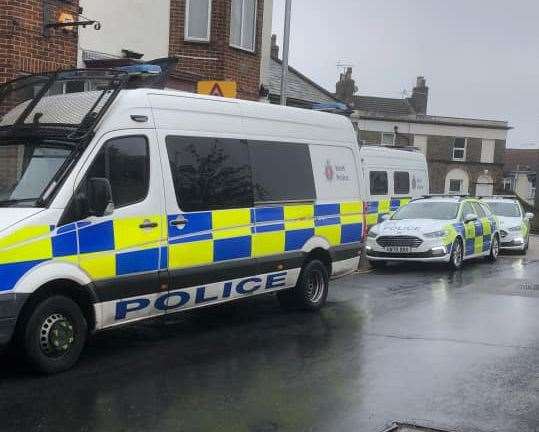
pixel 10 307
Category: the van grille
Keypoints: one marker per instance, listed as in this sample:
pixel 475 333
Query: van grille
pixel 409 241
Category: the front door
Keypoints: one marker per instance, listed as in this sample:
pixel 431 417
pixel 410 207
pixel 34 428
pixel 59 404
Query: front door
pixel 121 252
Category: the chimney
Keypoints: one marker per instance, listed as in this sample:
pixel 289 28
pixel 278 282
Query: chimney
pixel 420 96
pixel 274 47
pixel 346 87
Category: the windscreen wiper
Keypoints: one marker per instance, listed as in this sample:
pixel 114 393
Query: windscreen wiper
pixel 7 203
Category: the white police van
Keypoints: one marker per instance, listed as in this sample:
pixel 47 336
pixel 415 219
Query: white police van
pixel 514 222
pixel 121 205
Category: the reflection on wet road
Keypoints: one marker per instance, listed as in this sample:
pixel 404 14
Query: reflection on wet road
pixel 405 343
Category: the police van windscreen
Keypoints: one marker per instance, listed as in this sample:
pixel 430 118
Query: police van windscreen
pixel 27 170
pixel 505 209
pixel 427 210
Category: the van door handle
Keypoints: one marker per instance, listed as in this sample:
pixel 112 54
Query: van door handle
pixel 147 224
pixel 180 221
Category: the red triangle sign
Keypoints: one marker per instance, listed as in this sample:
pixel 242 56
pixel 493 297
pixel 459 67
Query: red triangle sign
pixel 216 90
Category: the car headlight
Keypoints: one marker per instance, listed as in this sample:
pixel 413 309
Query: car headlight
pixel 515 228
pixel 373 232
pixel 436 234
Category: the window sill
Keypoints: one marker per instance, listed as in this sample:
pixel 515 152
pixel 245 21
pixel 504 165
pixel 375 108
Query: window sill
pixel 195 40
pixel 245 50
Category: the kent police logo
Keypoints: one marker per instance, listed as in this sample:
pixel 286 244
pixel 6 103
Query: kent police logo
pixel 329 172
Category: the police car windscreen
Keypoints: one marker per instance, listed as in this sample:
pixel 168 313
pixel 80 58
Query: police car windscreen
pixel 427 210
pixel 505 209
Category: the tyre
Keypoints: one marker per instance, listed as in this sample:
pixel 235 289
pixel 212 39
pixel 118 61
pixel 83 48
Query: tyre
pixel 457 255
pixel 311 290
pixel 494 249
pixel 377 264
pixel 53 335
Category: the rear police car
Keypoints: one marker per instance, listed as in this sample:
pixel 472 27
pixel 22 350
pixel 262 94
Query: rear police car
pixel 435 229
pixel 514 222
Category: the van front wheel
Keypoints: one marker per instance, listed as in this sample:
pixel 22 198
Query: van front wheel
pixel 311 290
pixel 54 334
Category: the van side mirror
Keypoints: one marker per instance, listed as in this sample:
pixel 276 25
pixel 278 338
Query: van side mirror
pixel 529 215
pixel 99 196
pixel 385 217
pixel 470 217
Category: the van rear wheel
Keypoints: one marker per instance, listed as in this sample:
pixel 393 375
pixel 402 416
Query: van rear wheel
pixel 311 290
pixel 53 335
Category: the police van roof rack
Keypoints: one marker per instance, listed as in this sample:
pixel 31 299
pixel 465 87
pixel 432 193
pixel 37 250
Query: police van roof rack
pixel 403 148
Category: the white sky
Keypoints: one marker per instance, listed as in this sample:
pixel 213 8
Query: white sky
pixel 480 57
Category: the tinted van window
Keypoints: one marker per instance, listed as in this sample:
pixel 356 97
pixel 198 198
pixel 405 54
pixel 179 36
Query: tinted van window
pixel 401 182
pixel 210 173
pixel 378 182
pixel 281 172
pixel 125 162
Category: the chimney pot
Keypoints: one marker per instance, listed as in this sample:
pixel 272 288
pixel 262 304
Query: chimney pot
pixel 274 47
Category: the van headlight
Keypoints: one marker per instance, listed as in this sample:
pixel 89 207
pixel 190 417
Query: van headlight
pixel 373 232
pixel 436 234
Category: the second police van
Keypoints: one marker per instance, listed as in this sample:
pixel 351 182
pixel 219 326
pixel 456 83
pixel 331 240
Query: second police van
pixel 121 205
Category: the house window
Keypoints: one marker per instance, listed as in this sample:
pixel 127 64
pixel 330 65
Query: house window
pixel 197 20
pixel 487 150
pixel 243 24
pixel 388 139
pixel 459 149
pixel 455 186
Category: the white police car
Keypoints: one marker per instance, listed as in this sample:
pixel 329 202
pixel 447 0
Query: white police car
pixel 514 222
pixel 435 229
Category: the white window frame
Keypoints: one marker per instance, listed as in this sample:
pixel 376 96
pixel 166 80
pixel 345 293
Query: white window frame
pixel 459 148
pixel 241 32
pixel 461 183
pixel 392 139
pixel 186 24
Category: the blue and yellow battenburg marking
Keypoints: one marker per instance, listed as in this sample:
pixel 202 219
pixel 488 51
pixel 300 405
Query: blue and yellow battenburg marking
pixel 374 210
pixel 119 247
pixel 477 236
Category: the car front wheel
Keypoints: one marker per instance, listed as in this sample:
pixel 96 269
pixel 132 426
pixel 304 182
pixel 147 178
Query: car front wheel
pixel 494 249
pixel 457 255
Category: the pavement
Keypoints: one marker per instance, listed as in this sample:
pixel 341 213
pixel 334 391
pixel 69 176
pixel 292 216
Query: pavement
pixel 410 343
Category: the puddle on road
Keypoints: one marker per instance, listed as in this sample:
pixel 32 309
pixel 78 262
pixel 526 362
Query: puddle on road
pixel 408 427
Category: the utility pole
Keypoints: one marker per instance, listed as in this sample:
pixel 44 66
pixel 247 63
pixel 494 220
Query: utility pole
pixel 286 46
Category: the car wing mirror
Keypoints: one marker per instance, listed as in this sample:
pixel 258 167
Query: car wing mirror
pixel 385 217
pixel 470 217
pixel 99 196
pixel 529 215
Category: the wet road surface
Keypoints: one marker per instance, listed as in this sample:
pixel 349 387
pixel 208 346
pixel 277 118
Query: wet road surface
pixel 406 343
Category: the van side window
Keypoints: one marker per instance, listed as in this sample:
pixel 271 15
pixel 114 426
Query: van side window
pixel 281 172
pixel 210 173
pixel 125 162
pixel 401 182
pixel 378 182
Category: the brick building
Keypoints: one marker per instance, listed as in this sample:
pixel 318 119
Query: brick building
pixel 27 46
pixel 464 155
pixel 212 39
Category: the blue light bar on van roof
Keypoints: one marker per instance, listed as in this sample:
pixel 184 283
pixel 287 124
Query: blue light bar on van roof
pixel 334 107
pixel 141 69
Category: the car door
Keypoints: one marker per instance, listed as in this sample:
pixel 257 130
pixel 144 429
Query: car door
pixel 469 230
pixel 483 229
pixel 121 251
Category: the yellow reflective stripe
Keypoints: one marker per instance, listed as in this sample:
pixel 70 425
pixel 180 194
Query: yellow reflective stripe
pixel 268 243
pixel 25 234
pixel 487 230
pixel 352 207
pixel 128 234
pixel 190 254
pixel 478 244
pixel 99 265
pixel 384 206
pixel 332 233
pixel 372 219
pixel 231 223
pixel 451 236
pixel 299 216
pixel 469 230
pixel 404 201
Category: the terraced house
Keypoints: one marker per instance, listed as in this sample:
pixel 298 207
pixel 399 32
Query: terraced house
pixel 464 155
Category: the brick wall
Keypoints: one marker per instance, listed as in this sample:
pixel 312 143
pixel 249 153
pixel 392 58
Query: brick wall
pixel 217 60
pixel 23 46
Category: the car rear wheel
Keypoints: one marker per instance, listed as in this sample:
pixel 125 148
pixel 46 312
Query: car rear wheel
pixel 53 335
pixel 311 290
pixel 457 255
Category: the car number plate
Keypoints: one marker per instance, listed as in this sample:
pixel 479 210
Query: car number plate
pixel 398 249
